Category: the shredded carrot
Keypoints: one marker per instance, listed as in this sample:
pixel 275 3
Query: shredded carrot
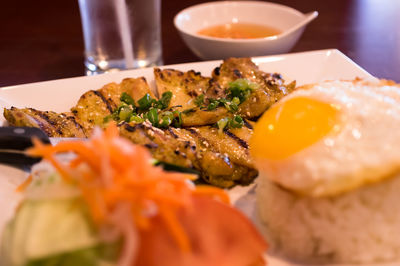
pixel 118 172
pixel 25 184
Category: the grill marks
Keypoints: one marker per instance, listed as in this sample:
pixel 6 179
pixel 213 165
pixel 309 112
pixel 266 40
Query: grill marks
pixel 172 133
pixel 106 102
pixel 43 126
pixel 237 73
pixel 93 106
pixel 77 125
pixel 247 124
pixel 50 125
pixel 240 141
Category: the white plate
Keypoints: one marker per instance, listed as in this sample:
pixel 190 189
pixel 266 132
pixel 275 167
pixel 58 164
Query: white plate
pixel 60 95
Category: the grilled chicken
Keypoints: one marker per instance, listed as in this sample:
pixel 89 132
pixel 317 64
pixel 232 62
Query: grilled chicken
pixel 93 106
pixel 186 86
pixel 222 157
pixel 53 124
pixel 271 87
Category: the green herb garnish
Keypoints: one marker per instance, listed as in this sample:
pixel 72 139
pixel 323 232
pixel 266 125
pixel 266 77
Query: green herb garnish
pixel 241 89
pixel 148 109
pixel 136 119
pixel 152 116
pixel 222 123
pixel 159 114
pixel 177 121
pixel 213 104
pixel 166 119
pixel 229 123
pixel 145 102
pixel 165 100
pixel 199 101
pixel 126 98
pixel 236 122
pixel 124 113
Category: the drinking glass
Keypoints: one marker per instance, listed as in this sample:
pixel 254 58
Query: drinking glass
pixel 121 34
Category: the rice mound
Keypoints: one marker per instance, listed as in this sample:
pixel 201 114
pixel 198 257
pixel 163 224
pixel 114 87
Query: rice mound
pixel 360 226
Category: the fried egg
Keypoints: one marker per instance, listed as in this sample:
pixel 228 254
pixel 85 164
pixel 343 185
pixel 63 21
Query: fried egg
pixel 329 138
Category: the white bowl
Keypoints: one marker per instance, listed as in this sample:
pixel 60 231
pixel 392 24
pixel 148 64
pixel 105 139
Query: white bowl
pixel 289 21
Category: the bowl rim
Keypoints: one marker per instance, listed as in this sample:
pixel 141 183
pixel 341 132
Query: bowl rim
pixel 228 40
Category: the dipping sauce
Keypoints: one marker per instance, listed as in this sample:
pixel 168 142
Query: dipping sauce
pixel 239 31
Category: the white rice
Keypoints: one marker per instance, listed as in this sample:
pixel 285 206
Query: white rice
pixel 361 226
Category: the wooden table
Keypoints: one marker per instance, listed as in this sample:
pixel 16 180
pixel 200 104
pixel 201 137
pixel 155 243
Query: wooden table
pixel 42 40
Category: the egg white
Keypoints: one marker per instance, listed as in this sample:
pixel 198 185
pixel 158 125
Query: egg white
pixel 364 147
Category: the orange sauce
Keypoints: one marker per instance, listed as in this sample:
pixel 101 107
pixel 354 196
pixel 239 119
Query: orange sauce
pixel 239 31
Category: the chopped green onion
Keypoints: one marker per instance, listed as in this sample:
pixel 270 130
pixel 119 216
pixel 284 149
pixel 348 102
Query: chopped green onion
pixel 227 122
pixel 166 119
pixel 236 122
pixel 165 100
pixel 165 122
pixel 213 104
pixel 145 102
pixel 230 106
pixel 125 112
pixel 177 122
pixel 236 100
pixel 199 100
pixel 241 89
pixel 136 119
pixel 152 116
pixel 126 98
pixel 222 123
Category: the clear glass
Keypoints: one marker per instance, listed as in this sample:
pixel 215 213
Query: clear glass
pixel 121 34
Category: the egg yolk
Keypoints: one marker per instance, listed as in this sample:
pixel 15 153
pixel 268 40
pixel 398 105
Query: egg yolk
pixel 291 126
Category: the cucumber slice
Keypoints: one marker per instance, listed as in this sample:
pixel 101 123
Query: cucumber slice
pixel 45 228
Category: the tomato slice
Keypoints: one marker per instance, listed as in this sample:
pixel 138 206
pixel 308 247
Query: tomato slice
pixel 219 235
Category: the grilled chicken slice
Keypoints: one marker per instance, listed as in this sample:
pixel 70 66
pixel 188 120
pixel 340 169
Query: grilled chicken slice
pixel 53 124
pixel 218 157
pixel 93 106
pixel 271 87
pixel 230 142
pixel 161 143
pixel 186 86
pixel 238 68
pixel 90 110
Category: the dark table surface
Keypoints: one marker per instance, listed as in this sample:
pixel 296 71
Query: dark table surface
pixel 42 40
